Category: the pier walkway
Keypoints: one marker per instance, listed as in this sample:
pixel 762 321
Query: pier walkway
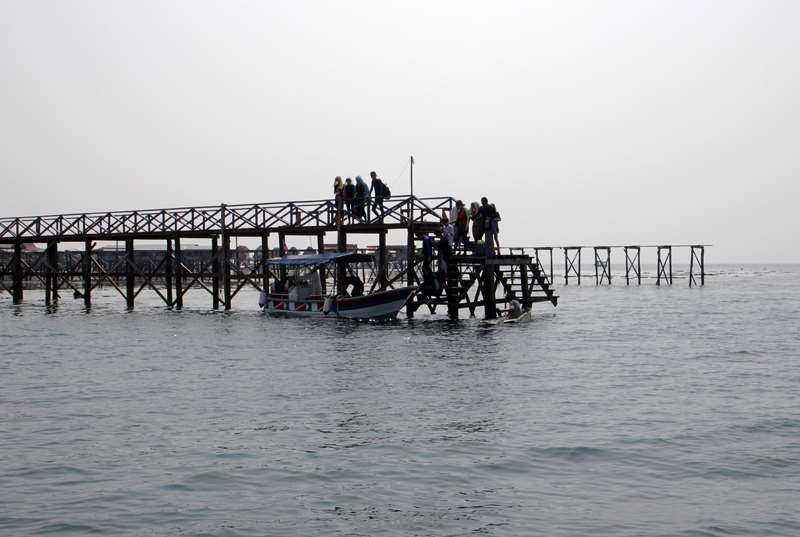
pixel 472 281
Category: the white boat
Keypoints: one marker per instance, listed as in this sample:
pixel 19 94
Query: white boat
pixel 300 292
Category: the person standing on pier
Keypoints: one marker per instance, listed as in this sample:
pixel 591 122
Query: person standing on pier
pixel 460 220
pixel 477 221
pixel 349 194
pixel 362 193
pixel 338 187
pixel 490 218
pixel 377 186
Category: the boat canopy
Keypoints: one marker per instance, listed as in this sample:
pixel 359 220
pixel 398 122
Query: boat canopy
pixel 317 259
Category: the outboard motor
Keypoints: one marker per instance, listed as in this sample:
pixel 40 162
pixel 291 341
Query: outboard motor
pixel 326 307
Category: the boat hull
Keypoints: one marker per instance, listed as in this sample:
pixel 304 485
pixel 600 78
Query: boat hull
pixel 383 305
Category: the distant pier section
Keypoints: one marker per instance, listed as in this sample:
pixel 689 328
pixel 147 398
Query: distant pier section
pixel 473 277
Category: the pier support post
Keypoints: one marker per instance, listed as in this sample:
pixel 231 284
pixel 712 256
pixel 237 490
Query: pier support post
pixel 602 265
pixel 569 263
pixel 664 265
pixel 284 251
pixel 168 274
pixel 382 268
pixel 341 246
pixel 16 286
pixel 700 259
pixel 410 265
pixel 87 274
pixel 633 264
pixel 51 274
pixel 226 271
pixel 178 274
pixel 264 257
pixel 526 291
pixel 323 276
pixel 130 273
pixel 215 264
pixel 489 300
pixel 702 265
pixel 453 288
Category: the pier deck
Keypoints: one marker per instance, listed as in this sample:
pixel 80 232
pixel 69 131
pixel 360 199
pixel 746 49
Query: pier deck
pixel 472 281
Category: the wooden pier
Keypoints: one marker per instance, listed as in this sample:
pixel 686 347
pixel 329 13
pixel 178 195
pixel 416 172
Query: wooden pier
pixel 633 262
pixel 486 281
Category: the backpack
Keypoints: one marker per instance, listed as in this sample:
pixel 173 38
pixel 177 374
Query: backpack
pixel 387 194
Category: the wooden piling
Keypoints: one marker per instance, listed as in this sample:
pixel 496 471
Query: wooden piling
pixel 410 264
pixel 178 274
pixel 130 273
pixel 382 269
pixel 264 257
pixel 87 274
pixel 489 299
pixel 453 288
pixel 596 263
pixel 51 273
pixel 702 265
pixel 16 286
pixel 168 271
pixel 53 262
pixel 670 265
pixel 215 268
pixel 526 291
pixel 226 272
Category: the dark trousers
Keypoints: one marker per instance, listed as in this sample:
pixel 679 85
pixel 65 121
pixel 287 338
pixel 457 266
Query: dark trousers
pixel 378 202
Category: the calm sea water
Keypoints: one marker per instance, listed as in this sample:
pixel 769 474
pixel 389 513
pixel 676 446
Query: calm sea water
pixel 624 412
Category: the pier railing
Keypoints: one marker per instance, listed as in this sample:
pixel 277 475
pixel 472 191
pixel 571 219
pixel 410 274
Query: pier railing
pixel 240 219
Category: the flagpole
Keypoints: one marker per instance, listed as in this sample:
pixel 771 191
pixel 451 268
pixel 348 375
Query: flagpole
pixel 412 176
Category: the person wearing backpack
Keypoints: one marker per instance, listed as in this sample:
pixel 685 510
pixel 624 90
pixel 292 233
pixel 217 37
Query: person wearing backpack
pixel 378 188
pixel 349 195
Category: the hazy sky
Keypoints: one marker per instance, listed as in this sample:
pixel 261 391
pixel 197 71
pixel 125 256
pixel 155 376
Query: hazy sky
pixel 585 122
